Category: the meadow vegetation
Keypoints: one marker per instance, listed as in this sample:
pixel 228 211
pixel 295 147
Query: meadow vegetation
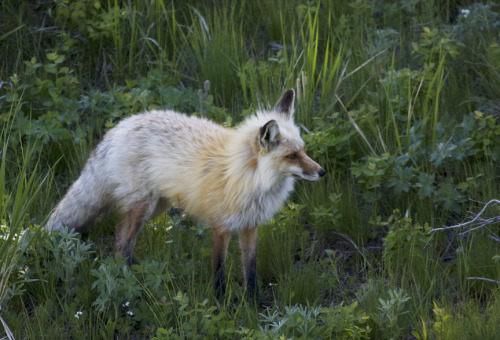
pixel 398 100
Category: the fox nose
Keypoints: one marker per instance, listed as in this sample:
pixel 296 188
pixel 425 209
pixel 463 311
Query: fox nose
pixel 321 172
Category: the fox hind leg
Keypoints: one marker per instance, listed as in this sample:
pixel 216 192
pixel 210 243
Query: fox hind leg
pixel 129 228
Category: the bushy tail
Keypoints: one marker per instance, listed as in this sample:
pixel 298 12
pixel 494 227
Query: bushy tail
pixel 85 200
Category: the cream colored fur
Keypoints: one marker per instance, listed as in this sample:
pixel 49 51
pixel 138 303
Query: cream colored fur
pixel 219 175
pixel 233 179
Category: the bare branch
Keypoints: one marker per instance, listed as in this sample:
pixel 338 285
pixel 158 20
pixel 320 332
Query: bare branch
pixel 483 279
pixel 477 222
pixel 355 125
pixel 365 63
pixel 496 239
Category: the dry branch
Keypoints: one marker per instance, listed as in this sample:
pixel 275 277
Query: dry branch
pixel 476 223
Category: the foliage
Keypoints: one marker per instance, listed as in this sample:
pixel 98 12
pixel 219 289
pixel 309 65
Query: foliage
pixel 201 321
pixel 298 322
pixel 397 100
pixel 404 240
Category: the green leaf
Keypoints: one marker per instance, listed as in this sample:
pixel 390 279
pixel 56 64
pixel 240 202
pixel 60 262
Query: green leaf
pixel 462 186
pixel 50 68
pixel 402 180
pixel 443 150
pixel 426 184
pixel 59 59
pixel 52 56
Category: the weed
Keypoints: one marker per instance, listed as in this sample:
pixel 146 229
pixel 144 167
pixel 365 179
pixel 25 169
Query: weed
pixel 397 100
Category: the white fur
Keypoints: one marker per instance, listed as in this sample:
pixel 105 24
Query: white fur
pixel 219 175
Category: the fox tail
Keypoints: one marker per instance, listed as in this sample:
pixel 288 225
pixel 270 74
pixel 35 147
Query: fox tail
pixel 86 199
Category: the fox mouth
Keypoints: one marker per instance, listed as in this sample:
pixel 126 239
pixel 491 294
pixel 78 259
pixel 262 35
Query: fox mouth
pixel 307 178
pixel 310 177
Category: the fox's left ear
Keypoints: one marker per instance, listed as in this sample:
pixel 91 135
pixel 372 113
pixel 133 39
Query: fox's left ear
pixel 285 104
pixel 269 135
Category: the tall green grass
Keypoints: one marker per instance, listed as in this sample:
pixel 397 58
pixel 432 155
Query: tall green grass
pixel 397 100
pixel 21 185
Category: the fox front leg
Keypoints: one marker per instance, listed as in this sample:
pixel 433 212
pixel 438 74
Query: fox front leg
pixel 248 246
pixel 220 242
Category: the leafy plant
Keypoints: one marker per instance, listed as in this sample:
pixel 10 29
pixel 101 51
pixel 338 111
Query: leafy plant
pixel 392 310
pixel 397 100
pixel 404 242
pixel 201 320
pixel 343 322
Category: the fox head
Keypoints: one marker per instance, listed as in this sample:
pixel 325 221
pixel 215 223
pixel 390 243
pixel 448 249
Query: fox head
pixel 280 143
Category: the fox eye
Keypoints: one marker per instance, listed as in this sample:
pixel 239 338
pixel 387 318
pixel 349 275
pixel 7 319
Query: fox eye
pixel 292 156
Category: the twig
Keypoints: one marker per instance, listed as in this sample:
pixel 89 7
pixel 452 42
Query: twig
pixel 477 218
pixel 355 125
pixel 354 245
pixel 496 239
pixel 489 221
pixel 10 336
pixel 483 279
pixel 365 63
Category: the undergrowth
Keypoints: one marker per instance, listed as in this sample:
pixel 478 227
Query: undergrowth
pixel 397 100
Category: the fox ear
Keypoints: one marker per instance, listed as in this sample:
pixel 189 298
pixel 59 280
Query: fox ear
pixel 269 135
pixel 285 104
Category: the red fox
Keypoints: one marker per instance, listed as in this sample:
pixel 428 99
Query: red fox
pixel 232 179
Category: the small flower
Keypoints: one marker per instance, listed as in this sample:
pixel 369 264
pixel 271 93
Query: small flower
pixel 77 315
pixel 130 313
pixel 465 12
pixel 126 304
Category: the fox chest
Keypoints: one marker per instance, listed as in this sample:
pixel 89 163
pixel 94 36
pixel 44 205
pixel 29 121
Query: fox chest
pixel 259 206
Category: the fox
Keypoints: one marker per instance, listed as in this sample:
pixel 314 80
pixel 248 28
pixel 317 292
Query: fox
pixel 232 179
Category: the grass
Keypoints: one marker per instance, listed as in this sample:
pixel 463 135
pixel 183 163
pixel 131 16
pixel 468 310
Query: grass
pixel 397 100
